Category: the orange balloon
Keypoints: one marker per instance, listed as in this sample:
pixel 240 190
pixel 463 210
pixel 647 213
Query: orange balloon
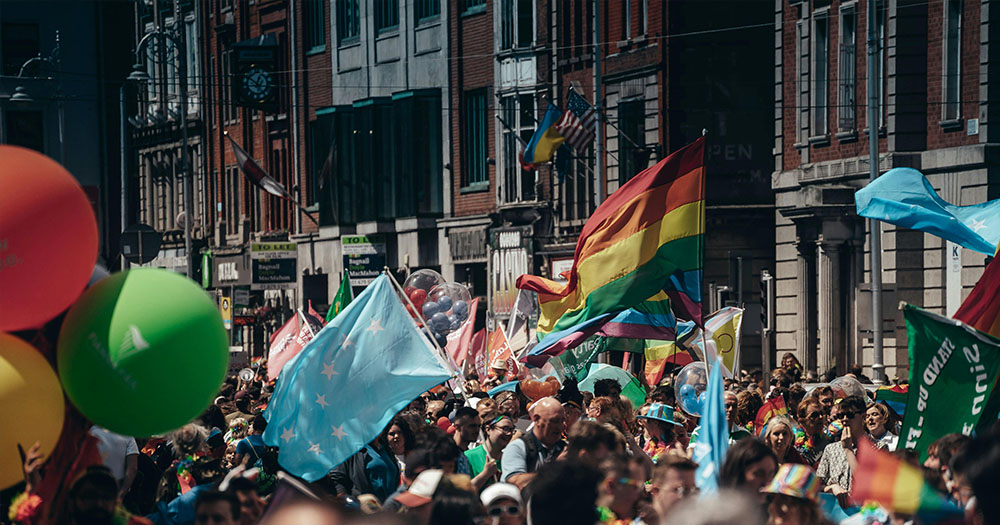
pixel 536 390
pixel 48 239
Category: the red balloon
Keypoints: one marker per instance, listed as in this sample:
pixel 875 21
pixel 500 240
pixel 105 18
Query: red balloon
pixel 48 239
pixel 418 297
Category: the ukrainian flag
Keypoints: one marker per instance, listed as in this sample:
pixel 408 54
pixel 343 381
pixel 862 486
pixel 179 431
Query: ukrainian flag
pixel 546 140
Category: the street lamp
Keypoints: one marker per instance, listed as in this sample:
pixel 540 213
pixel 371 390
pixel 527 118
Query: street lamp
pixel 176 37
pixel 21 95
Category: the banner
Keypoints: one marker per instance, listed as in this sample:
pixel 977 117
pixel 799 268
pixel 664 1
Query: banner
pixel 953 370
pixel 498 350
pixel 576 362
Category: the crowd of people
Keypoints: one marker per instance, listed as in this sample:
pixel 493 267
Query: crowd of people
pixel 576 457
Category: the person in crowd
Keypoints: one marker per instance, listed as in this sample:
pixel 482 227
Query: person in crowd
pixel 455 503
pixel 400 439
pixel 810 438
pixel 836 466
pixel 522 457
pixel 93 499
pixel 726 507
pixel 572 401
pixel 213 507
pixel 664 395
pixel 419 460
pixel 484 460
pixel 508 404
pixel 467 426
pixel 736 430
pixel 673 482
pixel 836 424
pixel 859 374
pixel 564 492
pixel 372 470
pixel 793 497
pixel 251 505
pixel 192 465
pixel 659 425
pixel 939 454
pixel 250 449
pixel 591 442
pixel 604 409
pixel 791 366
pixel 434 410
pixel 748 402
pixel 825 396
pixel 212 418
pixel 242 402
pixel 503 504
pixel 120 454
pixel 749 466
pixel 876 419
pixel 779 436
pixel 975 475
pixel 303 512
pixel 796 393
pixel 621 489
pixel 487 409
pixel 780 379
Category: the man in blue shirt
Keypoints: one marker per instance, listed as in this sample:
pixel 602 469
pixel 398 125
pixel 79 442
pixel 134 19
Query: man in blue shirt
pixel 251 448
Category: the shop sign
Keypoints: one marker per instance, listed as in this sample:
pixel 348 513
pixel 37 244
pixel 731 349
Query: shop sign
pixel 467 246
pixel 510 257
pixel 273 265
pixel 364 257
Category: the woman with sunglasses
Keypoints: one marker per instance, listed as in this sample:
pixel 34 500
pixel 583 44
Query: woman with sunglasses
pixel 503 504
pixel 810 439
pixel 836 466
pixel 485 459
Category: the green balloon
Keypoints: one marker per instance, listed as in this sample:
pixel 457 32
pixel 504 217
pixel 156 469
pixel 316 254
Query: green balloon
pixel 143 352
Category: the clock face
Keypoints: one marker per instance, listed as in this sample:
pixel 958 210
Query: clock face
pixel 258 84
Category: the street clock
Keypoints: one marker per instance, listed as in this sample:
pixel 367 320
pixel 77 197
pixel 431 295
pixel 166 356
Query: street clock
pixel 258 84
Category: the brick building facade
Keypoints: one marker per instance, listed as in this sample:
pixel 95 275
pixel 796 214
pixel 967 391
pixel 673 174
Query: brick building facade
pixel 935 83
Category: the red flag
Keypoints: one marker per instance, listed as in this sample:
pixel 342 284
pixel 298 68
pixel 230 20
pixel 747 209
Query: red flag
pixel 499 352
pixel 477 353
pixel 458 341
pixel 981 310
pixel 255 173
pixel 289 340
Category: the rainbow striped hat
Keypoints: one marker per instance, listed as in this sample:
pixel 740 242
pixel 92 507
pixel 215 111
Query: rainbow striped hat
pixel 797 481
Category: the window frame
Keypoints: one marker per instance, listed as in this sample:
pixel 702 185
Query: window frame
pixel 432 15
pixel 847 111
pixel 951 96
pixel 384 11
pixel 819 125
pixel 348 22
pixel 626 171
pixel 475 109
pixel 314 37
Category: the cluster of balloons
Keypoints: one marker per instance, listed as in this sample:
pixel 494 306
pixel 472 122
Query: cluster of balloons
pixel 443 305
pixel 689 387
pixel 140 353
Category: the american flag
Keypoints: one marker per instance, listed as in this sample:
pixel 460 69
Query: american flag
pixel 579 123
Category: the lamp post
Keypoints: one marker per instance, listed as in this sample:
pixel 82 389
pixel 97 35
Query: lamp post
pixel 176 38
pixel 21 95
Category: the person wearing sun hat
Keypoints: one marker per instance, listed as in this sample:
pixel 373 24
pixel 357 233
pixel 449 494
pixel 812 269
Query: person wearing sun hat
pixel 660 424
pixel 794 496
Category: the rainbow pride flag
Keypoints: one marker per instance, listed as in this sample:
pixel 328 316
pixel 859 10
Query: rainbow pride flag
pixel 898 486
pixel 652 319
pixel 773 407
pixel 981 309
pixel 894 396
pixel 658 355
pixel 646 237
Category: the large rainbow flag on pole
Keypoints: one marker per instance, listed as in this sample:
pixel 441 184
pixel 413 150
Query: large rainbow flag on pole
pixel 646 237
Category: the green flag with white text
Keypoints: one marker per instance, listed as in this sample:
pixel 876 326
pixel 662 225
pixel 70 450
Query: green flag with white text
pixel 345 294
pixel 953 371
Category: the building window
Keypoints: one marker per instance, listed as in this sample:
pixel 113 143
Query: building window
pixel 314 14
pixel 19 43
pixel 25 128
pixel 802 84
pixel 883 87
pixel 386 15
pixel 473 6
pixel 230 113
pixel 632 139
pixel 517 23
pixel 193 64
pixel 952 59
pixel 348 20
pixel 846 98
pixel 821 53
pixel 475 138
pixel 426 9
pixel 644 16
pixel 626 19
pixel 518 114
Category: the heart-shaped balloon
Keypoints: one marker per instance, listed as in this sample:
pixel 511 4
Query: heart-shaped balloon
pixel 536 390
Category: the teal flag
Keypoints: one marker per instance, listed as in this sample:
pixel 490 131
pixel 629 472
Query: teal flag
pixel 904 197
pixel 953 369
pixel 344 387
pixel 713 437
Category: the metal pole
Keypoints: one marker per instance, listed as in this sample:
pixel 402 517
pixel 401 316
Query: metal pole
pixel 124 170
pixel 599 136
pixel 875 236
pixel 188 175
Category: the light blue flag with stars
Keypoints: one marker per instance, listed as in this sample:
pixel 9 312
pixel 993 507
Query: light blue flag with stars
pixel 349 381
pixel 904 197
pixel 713 437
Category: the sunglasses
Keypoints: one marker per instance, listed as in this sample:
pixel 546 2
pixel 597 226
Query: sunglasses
pixel 847 414
pixel 814 415
pixel 496 512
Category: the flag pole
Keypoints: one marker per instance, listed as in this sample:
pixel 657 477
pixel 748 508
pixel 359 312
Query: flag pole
pixel 302 317
pixel 875 228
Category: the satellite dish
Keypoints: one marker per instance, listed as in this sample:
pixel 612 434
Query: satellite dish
pixel 181 220
pixel 246 374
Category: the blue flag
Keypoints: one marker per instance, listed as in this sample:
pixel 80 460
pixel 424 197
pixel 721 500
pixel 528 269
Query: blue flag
pixel 349 381
pixel 713 437
pixel 904 197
